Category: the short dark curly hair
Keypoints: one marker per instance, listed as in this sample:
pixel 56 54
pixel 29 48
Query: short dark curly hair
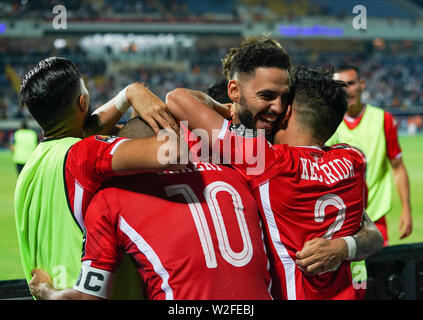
pixel 319 101
pixel 255 52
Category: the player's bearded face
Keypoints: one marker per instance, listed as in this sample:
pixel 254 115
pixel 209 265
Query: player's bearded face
pixel 245 115
pixel 261 99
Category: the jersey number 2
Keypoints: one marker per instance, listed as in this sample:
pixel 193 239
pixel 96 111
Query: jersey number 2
pixel 237 259
pixel 319 212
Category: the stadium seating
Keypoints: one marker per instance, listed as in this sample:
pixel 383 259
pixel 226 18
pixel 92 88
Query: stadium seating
pixel 375 8
pixel 393 76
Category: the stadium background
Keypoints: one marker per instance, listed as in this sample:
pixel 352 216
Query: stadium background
pixel 172 43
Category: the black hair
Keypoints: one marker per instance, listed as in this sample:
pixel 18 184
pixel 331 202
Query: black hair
pixel 346 67
pixel 319 101
pixel 253 53
pixel 49 89
pixel 219 91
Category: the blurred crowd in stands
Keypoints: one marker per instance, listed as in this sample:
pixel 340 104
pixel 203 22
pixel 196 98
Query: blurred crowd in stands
pixel 393 78
pixel 107 10
pixel 393 75
pixel 195 10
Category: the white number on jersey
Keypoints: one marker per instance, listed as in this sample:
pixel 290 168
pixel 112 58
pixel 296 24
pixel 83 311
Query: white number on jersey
pixel 319 212
pixel 237 259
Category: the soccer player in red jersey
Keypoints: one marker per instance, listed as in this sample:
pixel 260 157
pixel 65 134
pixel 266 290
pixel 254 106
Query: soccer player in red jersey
pixel 304 189
pixel 193 234
pixel 65 170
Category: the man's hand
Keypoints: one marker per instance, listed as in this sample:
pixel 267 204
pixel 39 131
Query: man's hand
pixel 403 186
pixel 40 284
pixel 41 287
pixel 321 255
pixel 405 224
pixel 150 108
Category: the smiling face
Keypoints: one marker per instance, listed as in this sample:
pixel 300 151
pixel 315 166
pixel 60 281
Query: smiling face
pixel 262 97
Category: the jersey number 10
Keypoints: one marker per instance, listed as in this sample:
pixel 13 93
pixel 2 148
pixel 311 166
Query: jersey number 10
pixel 237 259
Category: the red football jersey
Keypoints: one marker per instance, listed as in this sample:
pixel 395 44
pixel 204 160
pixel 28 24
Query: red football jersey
pixel 88 164
pixel 303 193
pixel 194 234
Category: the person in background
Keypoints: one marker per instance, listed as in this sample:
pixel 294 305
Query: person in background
pixel 374 131
pixel 23 142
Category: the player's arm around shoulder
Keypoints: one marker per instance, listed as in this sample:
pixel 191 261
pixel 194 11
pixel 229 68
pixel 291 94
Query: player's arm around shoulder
pixel 196 108
pixel 321 255
pixel 151 109
pixel 164 151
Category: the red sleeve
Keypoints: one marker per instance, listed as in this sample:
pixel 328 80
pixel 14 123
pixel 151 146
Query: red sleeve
pixel 101 245
pixel 88 164
pixel 195 146
pixel 93 157
pixel 393 148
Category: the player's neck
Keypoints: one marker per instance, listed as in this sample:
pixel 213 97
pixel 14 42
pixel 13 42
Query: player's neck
pixel 63 134
pixel 64 130
pixel 354 111
pixel 296 138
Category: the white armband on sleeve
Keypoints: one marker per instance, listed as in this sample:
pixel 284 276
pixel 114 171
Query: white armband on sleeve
pixel 95 282
pixel 352 247
pixel 122 103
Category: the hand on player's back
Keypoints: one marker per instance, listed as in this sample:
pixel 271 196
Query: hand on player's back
pixel 321 255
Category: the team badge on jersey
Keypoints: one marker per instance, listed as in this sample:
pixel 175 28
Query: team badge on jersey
pixel 317 157
pixel 243 131
pixel 107 139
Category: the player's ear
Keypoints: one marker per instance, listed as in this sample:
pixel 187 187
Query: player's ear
pixel 84 102
pixel 285 117
pixel 234 92
pixel 84 98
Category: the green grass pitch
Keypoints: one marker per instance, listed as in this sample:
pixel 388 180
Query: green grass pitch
pixel 10 265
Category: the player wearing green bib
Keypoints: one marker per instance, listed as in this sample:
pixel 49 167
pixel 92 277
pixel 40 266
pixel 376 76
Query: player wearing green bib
pixel 370 138
pixel 373 131
pixel 64 171
pixel 46 239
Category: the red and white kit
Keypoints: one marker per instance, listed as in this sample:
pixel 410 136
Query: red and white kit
pixel 193 234
pixel 88 163
pixel 302 193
